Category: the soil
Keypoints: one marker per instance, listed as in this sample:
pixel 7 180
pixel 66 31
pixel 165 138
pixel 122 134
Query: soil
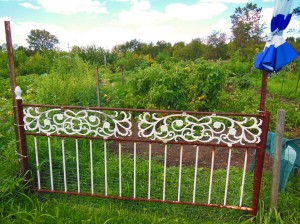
pixel 189 154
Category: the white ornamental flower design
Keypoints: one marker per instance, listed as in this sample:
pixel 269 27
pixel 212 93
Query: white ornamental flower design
pixel 164 128
pixel 179 123
pixel 92 118
pixel 232 131
pixel 47 122
pixel 106 125
pixel 60 117
pixel 217 124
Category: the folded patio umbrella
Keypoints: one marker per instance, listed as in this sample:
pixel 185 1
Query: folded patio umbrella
pixel 277 52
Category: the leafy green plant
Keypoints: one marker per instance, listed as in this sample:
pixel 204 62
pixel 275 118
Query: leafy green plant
pixel 71 81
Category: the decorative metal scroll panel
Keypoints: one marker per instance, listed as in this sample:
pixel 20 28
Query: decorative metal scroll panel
pixel 175 127
pixel 206 129
pixel 83 122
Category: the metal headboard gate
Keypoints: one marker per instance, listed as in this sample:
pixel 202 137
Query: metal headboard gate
pixel 69 150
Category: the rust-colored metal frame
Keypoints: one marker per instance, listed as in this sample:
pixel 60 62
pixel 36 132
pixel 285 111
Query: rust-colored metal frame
pixel 260 152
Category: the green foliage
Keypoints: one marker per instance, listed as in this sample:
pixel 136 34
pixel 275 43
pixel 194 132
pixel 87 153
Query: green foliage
pixel 247 101
pixel 246 27
pixel 182 86
pixel 243 82
pixel 4 69
pixel 130 61
pixel 36 64
pixel 96 56
pixel 71 81
pixel 217 46
pixel 41 40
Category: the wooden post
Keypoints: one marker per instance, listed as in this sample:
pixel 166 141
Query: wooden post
pixel 277 158
pixel 297 82
pixel 122 74
pixel 98 86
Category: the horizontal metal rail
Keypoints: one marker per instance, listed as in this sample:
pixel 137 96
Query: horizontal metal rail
pixel 128 139
pixel 141 110
pixel 142 199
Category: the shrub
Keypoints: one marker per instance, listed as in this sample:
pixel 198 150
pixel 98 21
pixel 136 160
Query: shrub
pixel 180 86
pixel 71 81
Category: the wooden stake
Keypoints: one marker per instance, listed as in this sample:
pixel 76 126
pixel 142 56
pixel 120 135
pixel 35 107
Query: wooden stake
pixel 277 158
pixel 98 86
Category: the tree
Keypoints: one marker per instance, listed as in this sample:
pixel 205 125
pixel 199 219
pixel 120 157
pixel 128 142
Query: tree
pixel 246 27
pixel 40 40
pixel 179 50
pixel 195 49
pixel 216 42
pixel 128 46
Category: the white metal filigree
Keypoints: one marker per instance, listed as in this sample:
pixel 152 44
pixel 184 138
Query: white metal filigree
pixel 82 122
pixel 214 128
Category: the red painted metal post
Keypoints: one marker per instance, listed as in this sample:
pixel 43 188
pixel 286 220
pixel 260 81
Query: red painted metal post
pixel 10 56
pixel 259 162
pixel 23 155
pixel 263 91
pixel 12 74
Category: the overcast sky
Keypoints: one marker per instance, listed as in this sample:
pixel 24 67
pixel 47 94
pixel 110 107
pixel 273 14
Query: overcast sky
pixel 107 23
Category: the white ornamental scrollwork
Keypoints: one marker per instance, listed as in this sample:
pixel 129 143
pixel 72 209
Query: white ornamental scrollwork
pixel 213 128
pixel 82 122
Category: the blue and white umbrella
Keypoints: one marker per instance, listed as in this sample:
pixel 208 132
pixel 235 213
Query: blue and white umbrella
pixel 277 52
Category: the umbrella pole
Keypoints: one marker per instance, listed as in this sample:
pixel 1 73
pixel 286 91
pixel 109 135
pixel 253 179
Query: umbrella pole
pixel 263 91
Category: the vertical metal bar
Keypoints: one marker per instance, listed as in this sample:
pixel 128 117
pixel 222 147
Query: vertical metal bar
pixel 211 174
pixel 259 162
pixel 77 166
pixel 64 163
pixel 244 177
pixel 195 174
pixel 180 173
pixel 120 170
pixel 13 82
pixel 21 137
pixel 165 172
pixel 227 175
pixel 134 169
pixel 37 162
pixel 149 174
pixel 92 167
pixel 50 164
pixel 105 168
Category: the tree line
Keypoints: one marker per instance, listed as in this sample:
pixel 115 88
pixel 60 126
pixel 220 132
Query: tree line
pixel 247 39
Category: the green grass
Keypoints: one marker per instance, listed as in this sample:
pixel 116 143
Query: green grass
pixel 20 206
pixel 282 85
pixel 157 171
